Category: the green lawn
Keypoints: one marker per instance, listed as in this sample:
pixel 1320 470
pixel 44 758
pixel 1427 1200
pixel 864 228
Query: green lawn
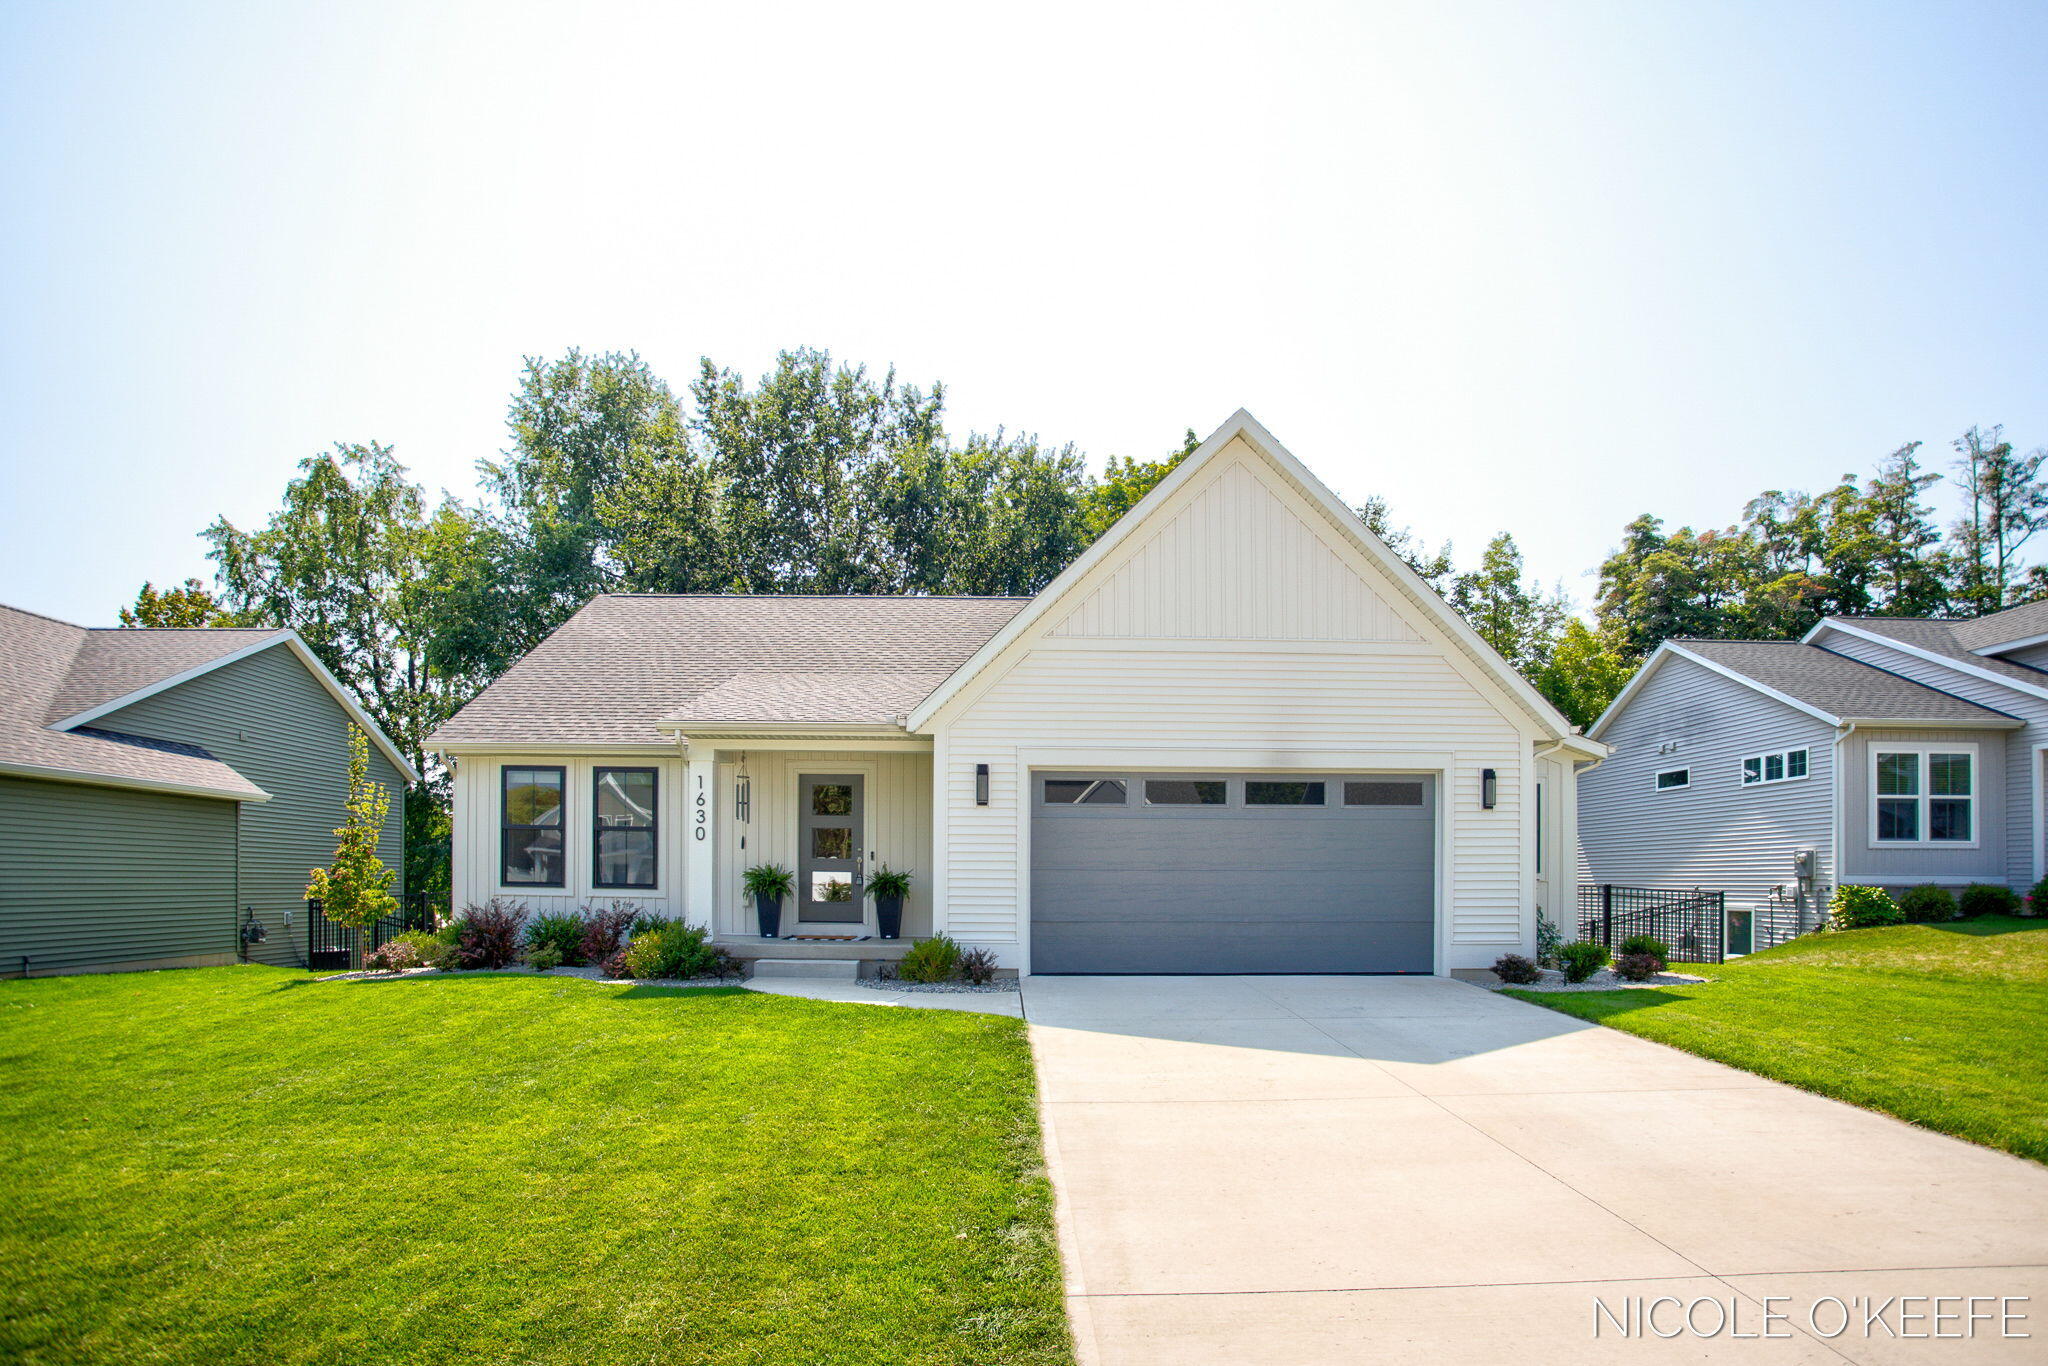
pixel 1942 1025
pixel 242 1165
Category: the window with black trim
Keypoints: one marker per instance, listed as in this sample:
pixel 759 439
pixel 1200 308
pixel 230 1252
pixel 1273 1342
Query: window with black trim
pixel 1271 792
pixel 1186 792
pixel 623 809
pixel 1783 766
pixel 531 802
pixel 1671 779
pixel 1084 792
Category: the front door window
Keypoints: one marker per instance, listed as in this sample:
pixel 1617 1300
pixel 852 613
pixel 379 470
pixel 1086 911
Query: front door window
pixel 829 863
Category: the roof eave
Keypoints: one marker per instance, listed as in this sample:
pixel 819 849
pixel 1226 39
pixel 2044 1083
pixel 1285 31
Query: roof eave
pixel 87 778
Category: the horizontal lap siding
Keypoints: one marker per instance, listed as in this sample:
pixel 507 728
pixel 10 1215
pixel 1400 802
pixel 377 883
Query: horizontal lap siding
pixel 1260 704
pixel 100 876
pixel 2019 745
pixel 1715 834
pixel 273 722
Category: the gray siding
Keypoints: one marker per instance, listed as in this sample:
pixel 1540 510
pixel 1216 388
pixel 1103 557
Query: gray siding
pixel 273 722
pixel 101 877
pixel 1893 866
pixel 1715 834
pixel 2034 656
pixel 2020 745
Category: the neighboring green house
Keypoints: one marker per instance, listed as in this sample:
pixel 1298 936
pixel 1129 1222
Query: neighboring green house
pixel 163 790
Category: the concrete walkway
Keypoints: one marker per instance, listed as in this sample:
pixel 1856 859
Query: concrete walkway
pixel 1301 1171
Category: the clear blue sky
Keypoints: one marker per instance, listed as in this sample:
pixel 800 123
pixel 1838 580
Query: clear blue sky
pixel 1533 266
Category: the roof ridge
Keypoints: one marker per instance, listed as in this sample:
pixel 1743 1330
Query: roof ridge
pixel 45 616
pixel 832 597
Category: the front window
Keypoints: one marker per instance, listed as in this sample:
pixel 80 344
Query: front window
pixel 1783 766
pixel 530 849
pixel 1924 796
pixel 623 816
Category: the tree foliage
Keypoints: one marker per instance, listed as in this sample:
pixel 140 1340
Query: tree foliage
pixel 355 889
pixel 186 606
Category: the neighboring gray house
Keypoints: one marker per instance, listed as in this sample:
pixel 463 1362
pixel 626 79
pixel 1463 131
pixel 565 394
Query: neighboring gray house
pixel 1898 750
pixel 161 789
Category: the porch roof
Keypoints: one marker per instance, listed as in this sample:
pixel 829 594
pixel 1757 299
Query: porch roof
pixel 636 668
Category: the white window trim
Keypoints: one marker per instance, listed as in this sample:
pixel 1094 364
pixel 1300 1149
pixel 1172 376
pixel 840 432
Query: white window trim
pixel 1657 785
pixel 1922 750
pixel 1784 754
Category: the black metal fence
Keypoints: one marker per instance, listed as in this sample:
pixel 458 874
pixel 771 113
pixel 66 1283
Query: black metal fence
pixel 329 947
pixel 1694 923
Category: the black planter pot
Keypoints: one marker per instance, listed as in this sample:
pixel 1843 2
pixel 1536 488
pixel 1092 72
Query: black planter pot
pixel 889 916
pixel 768 910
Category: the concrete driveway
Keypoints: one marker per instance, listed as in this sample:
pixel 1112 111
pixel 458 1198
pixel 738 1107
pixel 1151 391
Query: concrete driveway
pixel 1301 1170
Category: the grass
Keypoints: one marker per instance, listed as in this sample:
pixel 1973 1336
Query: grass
pixel 1945 1026
pixel 232 1165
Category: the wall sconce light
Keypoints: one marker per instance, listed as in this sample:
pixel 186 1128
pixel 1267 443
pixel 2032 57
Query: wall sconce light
pixel 981 784
pixel 1489 788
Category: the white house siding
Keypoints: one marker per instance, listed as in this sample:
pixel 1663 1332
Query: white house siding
pixel 1896 866
pixel 898 810
pixel 1228 638
pixel 1715 834
pixel 2023 863
pixel 478 822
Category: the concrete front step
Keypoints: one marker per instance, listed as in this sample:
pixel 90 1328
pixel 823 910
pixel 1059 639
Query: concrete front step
pixel 816 969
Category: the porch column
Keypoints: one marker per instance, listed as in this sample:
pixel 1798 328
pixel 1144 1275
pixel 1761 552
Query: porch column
pixel 700 837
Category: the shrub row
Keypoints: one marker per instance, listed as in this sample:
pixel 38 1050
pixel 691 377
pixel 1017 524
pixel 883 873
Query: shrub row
pixel 1862 908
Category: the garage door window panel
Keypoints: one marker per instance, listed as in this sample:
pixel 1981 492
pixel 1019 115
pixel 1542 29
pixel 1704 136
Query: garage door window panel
pixel 1270 792
pixel 1186 792
pixel 1086 792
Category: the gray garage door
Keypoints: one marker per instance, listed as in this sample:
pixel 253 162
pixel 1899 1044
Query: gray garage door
pixel 1232 872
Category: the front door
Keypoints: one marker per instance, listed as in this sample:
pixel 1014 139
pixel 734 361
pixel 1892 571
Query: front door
pixel 829 833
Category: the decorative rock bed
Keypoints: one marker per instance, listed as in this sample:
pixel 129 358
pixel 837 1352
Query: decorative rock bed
pixel 584 974
pixel 895 984
pixel 1603 980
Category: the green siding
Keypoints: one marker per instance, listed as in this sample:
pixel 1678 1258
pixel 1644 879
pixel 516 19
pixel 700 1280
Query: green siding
pixel 102 876
pixel 275 724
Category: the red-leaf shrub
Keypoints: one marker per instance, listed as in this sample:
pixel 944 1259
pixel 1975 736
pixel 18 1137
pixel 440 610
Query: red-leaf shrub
pixel 491 934
pixel 1516 970
pixel 1638 967
pixel 604 932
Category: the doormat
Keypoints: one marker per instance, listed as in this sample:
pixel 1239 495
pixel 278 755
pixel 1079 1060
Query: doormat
pixel 827 938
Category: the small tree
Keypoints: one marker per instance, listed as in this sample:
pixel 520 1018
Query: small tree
pixel 356 889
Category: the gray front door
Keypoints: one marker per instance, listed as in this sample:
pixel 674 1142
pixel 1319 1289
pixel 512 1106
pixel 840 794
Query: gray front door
pixel 828 861
pixel 1233 872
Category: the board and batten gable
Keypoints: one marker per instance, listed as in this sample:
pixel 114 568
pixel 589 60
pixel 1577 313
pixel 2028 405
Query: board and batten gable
pixel 103 878
pixel 267 717
pixel 1713 834
pixel 1239 628
pixel 2022 839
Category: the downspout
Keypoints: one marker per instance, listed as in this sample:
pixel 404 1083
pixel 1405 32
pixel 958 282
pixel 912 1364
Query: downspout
pixel 1838 827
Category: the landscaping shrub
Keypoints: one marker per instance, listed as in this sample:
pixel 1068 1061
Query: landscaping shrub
pixel 395 955
pixel 605 931
pixel 1927 904
pixel 1516 970
pixel 978 966
pixel 1581 960
pixel 543 957
pixel 2037 900
pixel 615 966
pixel 488 936
pixel 645 922
pixel 1548 941
pixel 1646 944
pixel 1638 967
pixel 1862 908
pixel 1987 898
pixel 676 949
pixel 561 931
pixel 930 960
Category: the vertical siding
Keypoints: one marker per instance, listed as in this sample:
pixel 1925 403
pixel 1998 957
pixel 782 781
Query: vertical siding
pixel 1242 569
pixel 1716 834
pixel 477 822
pixel 2020 745
pixel 273 722
pixel 101 877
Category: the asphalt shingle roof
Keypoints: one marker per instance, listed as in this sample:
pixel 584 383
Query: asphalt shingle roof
pixel 1840 686
pixel 627 661
pixel 2024 622
pixel 1944 638
pixel 50 670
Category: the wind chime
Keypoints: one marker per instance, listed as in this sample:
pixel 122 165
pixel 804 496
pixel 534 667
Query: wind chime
pixel 743 798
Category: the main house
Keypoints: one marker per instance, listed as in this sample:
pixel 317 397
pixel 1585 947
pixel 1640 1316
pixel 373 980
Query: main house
pixel 1880 750
pixel 1238 734
pixel 165 792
